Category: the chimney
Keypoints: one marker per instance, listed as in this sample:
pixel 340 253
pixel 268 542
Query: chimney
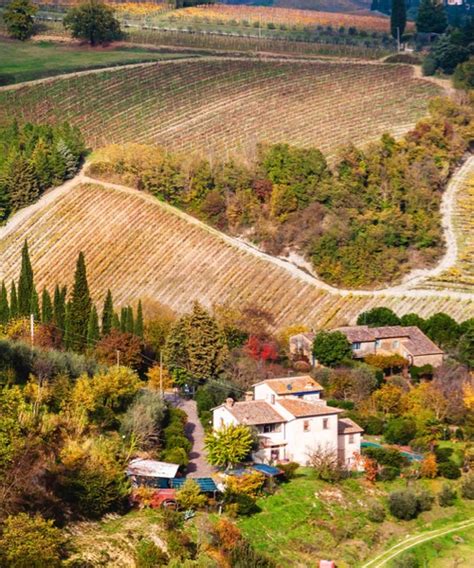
pixel 248 395
pixel 229 402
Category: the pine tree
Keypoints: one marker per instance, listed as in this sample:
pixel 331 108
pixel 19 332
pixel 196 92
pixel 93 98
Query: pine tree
pixel 26 283
pixel 4 307
pixel 4 196
pixel 46 307
pixel 68 158
pixel 80 306
pixel 431 17
pixel 139 321
pixel 93 331
pixel 23 187
pixel 13 302
pixel 398 18
pixel 107 314
pixel 59 308
pixel 34 305
pixel 40 160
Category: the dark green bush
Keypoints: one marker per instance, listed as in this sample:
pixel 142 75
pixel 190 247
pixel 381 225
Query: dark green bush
pixel 447 496
pixel 443 454
pixel 403 504
pixel 407 560
pixel 467 487
pixel 389 473
pixel 148 555
pixel 424 499
pixel 449 470
pixel 386 456
pixel 244 556
pixel 400 431
pixel 376 512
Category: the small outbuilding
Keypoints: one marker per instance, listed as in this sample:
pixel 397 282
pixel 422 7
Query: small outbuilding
pixel 151 473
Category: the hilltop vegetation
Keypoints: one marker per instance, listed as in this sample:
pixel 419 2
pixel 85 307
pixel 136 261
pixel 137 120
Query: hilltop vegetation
pixel 367 221
pixel 209 106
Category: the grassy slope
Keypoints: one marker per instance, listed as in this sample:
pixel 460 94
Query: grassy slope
pixel 308 519
pixel 30 60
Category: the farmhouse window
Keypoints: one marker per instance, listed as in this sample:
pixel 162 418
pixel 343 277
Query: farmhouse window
pixel 306 426
pixel 396 344
pixel 325 423
pixel 351 438
pixel 356 345
pixel 268 428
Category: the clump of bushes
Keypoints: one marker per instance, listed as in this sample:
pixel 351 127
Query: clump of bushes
pixel 176 445
pixel 447 496
pixel 406 504
pixel 376 512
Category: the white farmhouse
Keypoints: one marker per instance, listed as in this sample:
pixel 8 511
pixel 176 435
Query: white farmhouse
pixel 292 421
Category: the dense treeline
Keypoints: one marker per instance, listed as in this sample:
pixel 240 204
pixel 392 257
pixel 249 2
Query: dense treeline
pixel 34 158
pixel 366 220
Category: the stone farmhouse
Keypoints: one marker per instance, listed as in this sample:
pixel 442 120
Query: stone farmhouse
pixel 409 342
pixel 292 420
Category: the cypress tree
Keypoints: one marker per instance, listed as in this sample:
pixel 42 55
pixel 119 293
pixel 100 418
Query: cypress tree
pixel 107 314
pixel 130 322
pixel 116 322
pixel 46 307
pixel 68 344
pixel 59 308
pixel 80 306
pixel 25 284
pixel 398 18
pixel 34 305
pixel 4 307
pixel 124 320
pixel 139 321
pixel 13 302
pixel 93 331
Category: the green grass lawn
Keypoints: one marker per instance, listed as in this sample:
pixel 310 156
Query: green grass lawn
pixel 34 60
pixel 454 550
pixel 306 520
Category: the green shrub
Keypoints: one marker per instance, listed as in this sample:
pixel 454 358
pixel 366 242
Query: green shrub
pixel 403 504
pixel 148 555
pixel 424 500
pixel 447 496
pixel 386 456
pixel 400 431
pixel 289 469
pixel 180 545
pixel 389 473
pixel 172 520
pixel 467 487
pixel 176 455
pixel 449 470
pixel 443 454
pixel 407 560
pixel 376 512
pixel 243 555
pixel 429 66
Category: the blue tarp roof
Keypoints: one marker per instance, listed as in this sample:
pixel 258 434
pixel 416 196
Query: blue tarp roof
pixel 206 484
pixel 267 469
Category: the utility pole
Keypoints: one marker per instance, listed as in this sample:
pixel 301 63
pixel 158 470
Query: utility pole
pixel 398 39
pixel 118 358
pixel 32 329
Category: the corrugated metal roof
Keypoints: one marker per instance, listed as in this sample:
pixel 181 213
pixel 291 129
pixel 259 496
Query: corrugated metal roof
pixel 206 484
pixel 151 468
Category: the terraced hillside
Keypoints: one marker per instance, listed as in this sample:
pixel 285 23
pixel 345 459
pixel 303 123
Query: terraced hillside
pixel 226 106
pixel 140 247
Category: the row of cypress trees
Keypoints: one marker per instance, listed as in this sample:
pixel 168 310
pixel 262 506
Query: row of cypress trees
pixel 74 316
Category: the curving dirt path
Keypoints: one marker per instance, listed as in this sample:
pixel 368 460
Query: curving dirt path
pixel 411 542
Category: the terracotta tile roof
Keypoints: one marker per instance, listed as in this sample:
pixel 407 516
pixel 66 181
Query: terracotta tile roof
pixel 412 338
pixel 348 426
pixel 301 408
pixel 255 412
pixel 419 344
pixel 290 385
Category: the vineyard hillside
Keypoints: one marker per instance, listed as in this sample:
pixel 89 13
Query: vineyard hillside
pixel 141 248
pixel 225 106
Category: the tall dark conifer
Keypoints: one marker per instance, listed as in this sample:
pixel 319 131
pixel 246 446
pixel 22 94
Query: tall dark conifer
pixel 93 331
pixel 4 306
pixel 398 18
pixel 107 314
pixel 139 321
pixel 13 302
pixel 124 320
pixel 34 305
pixel 130 322
pixel 116 322
pixel 25 283
pixel 46 307
pixel 59 309
pixel 80 306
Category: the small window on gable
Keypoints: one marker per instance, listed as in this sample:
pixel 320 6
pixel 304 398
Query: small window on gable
pixel 351 438
pixel 306 426
pixel 325 423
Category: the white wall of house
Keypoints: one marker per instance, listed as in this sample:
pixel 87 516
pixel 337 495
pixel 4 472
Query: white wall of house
pixel 305 435
pixel 264 392
pixel 222 417
pixel 349 445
